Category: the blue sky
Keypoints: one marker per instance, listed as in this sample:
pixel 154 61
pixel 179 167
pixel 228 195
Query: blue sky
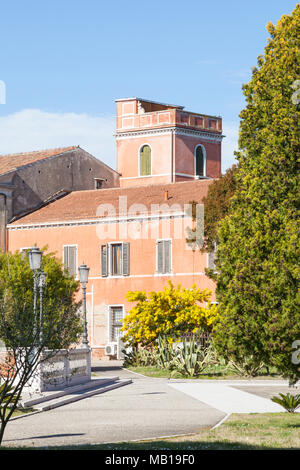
pixel 65 62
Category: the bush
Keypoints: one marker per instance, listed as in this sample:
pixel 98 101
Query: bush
pixel 187 358
pixel 289 402
pixel 170 312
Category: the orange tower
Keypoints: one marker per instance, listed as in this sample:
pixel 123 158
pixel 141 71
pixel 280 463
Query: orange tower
pixel 162 143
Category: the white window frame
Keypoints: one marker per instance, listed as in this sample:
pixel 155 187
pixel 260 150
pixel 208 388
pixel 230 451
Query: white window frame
pixel 109 260
pixel 109 322
pixel 110 274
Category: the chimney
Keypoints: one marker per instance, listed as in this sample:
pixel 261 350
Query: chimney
pixel 166 195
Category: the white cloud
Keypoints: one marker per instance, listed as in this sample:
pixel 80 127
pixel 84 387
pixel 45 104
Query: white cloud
pixel 33 129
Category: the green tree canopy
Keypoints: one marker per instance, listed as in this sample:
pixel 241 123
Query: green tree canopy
pixel 16 292
pixel 258 253
pixel 217 205
pixel 30 338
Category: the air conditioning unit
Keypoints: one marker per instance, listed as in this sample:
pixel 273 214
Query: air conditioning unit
pixel 111 349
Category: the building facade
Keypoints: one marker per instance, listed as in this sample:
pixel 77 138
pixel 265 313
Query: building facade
pixel 138 236
pixel 160 143
pixel 31 180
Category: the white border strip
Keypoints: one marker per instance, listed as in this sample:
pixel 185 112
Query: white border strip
pixel 105 220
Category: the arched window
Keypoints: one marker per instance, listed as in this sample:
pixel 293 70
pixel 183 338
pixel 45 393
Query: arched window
pixel 200 161
pixel 145 161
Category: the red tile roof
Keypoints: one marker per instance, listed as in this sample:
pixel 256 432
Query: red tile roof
pixel 82 205
pixel 13 161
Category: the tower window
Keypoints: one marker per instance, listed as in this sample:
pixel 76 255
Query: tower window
pixel 200 162
pixel 98 183
pixel 145 161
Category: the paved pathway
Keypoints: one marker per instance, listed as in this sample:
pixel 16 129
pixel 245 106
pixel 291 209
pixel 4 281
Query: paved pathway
pixel 147 408
pixel 229 399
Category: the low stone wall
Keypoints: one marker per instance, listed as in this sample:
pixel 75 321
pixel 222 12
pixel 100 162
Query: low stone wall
pixel 65 368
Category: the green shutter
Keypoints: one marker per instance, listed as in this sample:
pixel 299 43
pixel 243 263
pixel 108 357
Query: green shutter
pixel 104 260
pixel 70 259
pixel 163 256
pixel 126 257
pixel 145 161
pixel 66 257
pixel 160 256
pixel 167 256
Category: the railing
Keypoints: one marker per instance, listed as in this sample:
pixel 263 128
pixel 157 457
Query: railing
pixel 60 369
pixel 169 117
pixel 201 338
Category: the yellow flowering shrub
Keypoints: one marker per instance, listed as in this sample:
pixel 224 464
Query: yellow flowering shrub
pixel 168 312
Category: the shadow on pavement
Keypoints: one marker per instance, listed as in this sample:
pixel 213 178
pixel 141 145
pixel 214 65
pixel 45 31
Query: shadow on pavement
pixel 44 437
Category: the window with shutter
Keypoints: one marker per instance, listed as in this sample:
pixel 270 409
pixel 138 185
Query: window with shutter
pixel 70 259
pixel 116 259
pixel 126 259
pixel 167 256
pixel 145 161
pixel 163 249
pixel 160 256
pixel 104 260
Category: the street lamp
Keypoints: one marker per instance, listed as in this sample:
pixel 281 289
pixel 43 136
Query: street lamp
pixel 83 278
pixel 35 261
pixel 42 282
pixel 35 258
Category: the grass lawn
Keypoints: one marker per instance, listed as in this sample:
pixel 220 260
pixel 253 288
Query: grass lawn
pixel 240 431
pixel 22 411
pixel 211 372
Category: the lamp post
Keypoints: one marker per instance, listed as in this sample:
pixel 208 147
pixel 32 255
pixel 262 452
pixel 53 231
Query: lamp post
pixel 83 278
pixel 42 282
pixel 35 261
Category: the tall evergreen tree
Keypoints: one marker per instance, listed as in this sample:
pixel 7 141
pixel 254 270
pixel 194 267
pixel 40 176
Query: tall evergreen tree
pixel 258 253
pixel 217 205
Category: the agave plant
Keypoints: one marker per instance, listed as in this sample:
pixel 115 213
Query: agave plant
pixel 138 357
pixel 288 401
pixel 164 353
pixel 191 359
pixel 248 366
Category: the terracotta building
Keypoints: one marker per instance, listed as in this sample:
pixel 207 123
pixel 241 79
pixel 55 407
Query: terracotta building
pixel 134 237
pixel 161 143
pixel 25 184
